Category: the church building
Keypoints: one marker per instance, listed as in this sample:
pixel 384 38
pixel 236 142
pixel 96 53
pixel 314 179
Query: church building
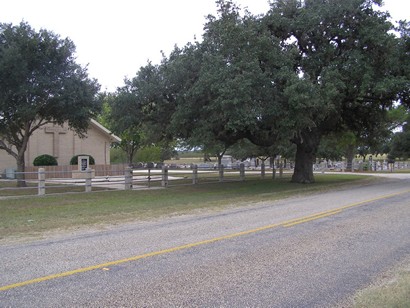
pixel 63 144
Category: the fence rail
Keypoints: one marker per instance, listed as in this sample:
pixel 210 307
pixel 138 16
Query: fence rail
pixel 57 179
pixel 70 171
pixel 54 179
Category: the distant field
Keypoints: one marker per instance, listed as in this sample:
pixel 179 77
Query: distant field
pixel 191 155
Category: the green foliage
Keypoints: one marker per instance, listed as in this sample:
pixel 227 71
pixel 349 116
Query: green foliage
pixel 303 71
pixel 400 147
pixel 168 151
pixel 131 128
pixel 38 74
pixel 245 149
pixel 149 154
pixel 40 83
pixel 330 149
pixel 347 71
pixel 131 140
pixel 145 154
pixel 45 160
pixel 74 159
pixel 117 156
pixel 104 115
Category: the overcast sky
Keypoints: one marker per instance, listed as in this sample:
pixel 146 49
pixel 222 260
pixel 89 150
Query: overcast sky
pixel 116 38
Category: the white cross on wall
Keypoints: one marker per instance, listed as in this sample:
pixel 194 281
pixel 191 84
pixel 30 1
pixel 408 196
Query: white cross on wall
pixel 56 131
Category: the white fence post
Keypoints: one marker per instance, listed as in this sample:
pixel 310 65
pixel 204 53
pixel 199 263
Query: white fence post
pixel 164 182
pixel 41 182
pixel 88 178
pixel 128 178
pixel 195 174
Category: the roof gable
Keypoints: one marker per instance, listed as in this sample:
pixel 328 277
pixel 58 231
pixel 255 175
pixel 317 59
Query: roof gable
pixel 105 131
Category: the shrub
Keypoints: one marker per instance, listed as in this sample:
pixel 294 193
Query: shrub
pixel 45 160
pixel 148 154
pixel 74 159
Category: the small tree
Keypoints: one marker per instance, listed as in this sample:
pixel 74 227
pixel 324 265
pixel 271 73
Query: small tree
pixel 130 143
pixel 124 118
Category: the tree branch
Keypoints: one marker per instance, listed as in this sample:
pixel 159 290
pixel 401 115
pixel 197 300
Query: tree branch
pixel 3 146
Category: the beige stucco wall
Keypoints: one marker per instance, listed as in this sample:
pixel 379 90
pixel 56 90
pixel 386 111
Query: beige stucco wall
pixel 6 161
pixel 63 145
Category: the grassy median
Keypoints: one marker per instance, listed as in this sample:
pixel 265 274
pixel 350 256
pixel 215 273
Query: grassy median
pixel 32 216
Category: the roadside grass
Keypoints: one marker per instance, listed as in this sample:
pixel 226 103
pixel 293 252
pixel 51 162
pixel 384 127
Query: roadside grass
pixel 400 171
pixel 9 188
pixel 394 293
pixel 34 215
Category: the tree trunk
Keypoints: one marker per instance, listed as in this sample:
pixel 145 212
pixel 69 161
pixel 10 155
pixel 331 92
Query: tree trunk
pixel 130 156
pixel 219 159
pixel 21 164
pixel 349 157
pixel 21 167
pixel 307 144
pixel 220 155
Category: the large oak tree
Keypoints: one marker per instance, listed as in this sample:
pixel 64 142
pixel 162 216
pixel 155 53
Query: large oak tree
pixel 40 83
pixel 304 70
pixel 347 70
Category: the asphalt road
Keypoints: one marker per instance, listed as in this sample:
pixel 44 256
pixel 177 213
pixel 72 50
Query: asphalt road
pixel 313 251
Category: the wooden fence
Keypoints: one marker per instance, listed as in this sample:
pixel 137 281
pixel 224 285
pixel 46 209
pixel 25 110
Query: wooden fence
pixel 68 171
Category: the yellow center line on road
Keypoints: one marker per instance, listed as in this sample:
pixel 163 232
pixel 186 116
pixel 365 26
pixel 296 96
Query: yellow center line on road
pixel 288 223
pixel 306 219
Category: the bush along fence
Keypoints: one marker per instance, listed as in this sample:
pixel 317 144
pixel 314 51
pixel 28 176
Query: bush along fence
pixel 45 180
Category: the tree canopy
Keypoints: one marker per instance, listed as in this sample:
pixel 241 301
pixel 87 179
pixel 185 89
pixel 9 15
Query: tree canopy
pixel 346 70
pixel 40 83
pixel 400 145
pixel 303 71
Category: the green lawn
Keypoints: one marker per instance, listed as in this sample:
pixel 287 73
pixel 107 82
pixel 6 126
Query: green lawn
pixel 9 188
pixel 31 216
